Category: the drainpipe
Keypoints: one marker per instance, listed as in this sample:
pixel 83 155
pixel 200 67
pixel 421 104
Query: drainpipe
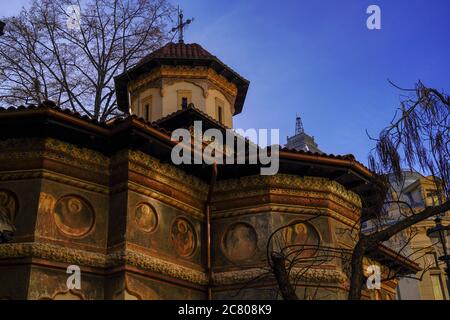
pixel 208 228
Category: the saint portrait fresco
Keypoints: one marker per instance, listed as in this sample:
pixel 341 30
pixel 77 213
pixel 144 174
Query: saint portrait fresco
pixel 183 237
pixel 240 242
pixel 8 210
pixel 146 217
pixel 73 216
pixel 46 203
pixel 303 237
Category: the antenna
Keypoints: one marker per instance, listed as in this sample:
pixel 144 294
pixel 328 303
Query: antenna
pixel 299 126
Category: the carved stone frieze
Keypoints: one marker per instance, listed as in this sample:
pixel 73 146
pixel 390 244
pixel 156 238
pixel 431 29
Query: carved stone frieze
pixel 149 263
pixel 184 72
pixel 166 173
pixel 57 177
pixel 285 184
pixel 23 149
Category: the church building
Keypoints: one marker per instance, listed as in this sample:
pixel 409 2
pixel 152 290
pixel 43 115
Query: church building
pixel 106 198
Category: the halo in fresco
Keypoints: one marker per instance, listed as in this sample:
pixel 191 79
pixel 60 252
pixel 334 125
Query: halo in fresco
pixel 74 216
pixel 240 242
pixel 146 217
pixel 303 237
pixel 183 237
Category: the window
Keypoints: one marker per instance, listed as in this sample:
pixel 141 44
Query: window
pixel 437 287
pixel 184 103
pixel 220 114
pixel 184 98
pixel 219 110
pixel 146 111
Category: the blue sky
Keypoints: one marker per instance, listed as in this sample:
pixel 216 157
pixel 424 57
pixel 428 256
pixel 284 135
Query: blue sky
pixel 317 59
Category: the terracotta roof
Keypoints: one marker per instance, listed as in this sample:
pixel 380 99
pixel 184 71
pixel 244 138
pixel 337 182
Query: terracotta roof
pixel 179 51
pixel 344 169
pixel 394 259
pixel 51 106
pixel 329 155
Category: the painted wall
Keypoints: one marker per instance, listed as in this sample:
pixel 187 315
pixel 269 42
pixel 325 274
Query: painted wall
pixel 168 103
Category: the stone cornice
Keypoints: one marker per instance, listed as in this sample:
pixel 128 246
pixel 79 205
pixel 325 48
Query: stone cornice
pixel 310 275
pixel 37 148
pixel 162 172
pixel 283 183
pixel 163 198
pixel 55 253
pixel 284 209
pixel 184 72
pixel 57 177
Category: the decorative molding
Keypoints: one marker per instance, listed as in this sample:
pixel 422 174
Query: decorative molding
pixel 279 193
pixel 187 73
pixel 197 212
pixel 270 208
pixel 66 293
pixel 247 275
pixel 163 172
pixel 52 253
pixel 98 260
pixel 153 264
pixel 57 177
pixel 319 275
pixel 145 262
pixel 285 184
pixel 22 149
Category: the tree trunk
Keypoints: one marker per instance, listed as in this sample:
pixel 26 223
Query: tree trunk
pixel 279 267
pixel 370 241
pixel 357 278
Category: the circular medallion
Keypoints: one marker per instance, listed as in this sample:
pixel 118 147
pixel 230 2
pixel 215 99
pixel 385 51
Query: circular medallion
pixel 183 237
pixel 303 238
pixel 240 242
pixel 74 216
pixel 146 217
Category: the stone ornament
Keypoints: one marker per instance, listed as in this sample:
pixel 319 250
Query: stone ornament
pixel 240 242
pixel 74 216
pixel 9 205
pixel 183 237
pixel 58 253
pixel 146 217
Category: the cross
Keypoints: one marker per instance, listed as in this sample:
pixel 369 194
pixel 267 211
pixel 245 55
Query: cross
pixel 181 25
